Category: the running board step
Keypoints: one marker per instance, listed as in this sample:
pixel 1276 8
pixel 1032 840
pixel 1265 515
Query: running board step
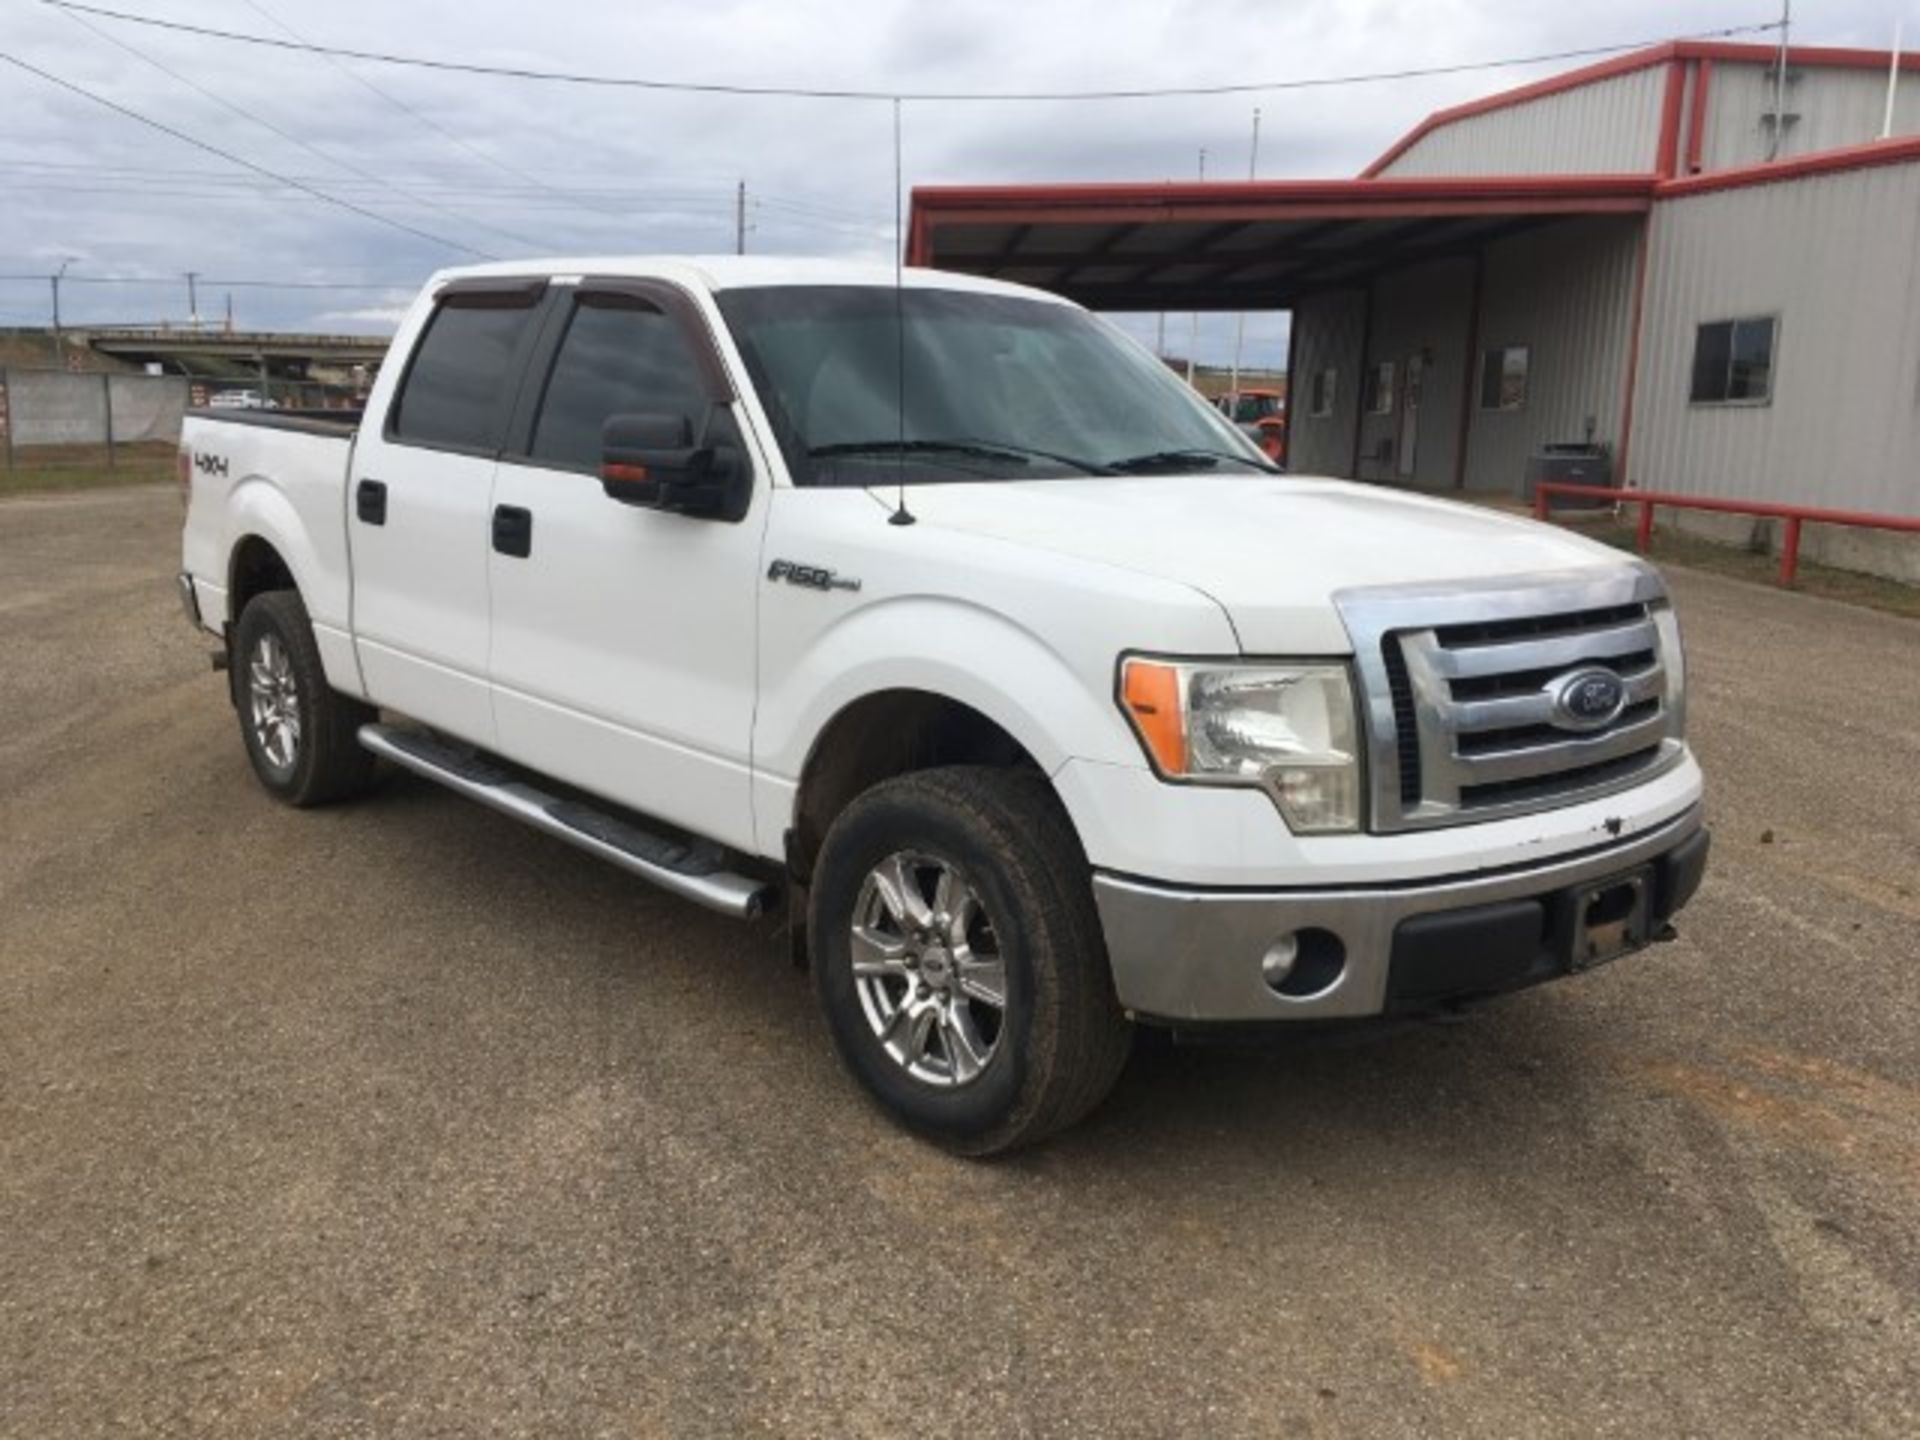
pixel 696 871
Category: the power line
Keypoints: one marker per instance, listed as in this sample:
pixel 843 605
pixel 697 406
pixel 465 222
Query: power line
pixel 290 137
pixel 682 212
pixel 405 109
pixel 564 77
pixel 43 174
pixel 661 209
pixel 169 280
pixel 198 144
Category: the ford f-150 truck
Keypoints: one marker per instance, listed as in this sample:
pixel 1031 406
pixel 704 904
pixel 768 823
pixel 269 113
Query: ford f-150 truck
pixel 941 613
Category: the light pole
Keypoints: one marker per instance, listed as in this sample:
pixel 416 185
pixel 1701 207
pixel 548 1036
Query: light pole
pixel 1193 335
pixel 1240 324
pixel 54 279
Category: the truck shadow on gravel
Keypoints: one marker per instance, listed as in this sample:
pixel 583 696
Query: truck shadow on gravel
pixel 1476 1089
pixel 1476 1085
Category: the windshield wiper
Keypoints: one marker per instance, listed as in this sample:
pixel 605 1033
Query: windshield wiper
pixel 983 449
pixel 1173 459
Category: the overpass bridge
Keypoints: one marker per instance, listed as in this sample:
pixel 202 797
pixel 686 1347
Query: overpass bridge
pixel 219 352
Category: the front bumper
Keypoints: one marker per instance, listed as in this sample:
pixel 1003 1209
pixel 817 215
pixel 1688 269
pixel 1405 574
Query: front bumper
pixel 1194 956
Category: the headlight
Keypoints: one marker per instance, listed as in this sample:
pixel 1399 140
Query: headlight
pixel 1289 729
pixel 1673 659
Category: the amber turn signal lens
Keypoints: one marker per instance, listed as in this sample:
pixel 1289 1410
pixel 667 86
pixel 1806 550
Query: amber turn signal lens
pixel 1152 695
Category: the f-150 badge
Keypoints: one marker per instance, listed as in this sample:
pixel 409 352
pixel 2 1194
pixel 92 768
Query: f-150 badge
pixel 810 577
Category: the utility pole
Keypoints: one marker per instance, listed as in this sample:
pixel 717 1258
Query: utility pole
pixel 1893 83
pixel 193 299
pixel 1777 139
pixel 1240 323
pixel 1193 338
pixel 740 219
pixel 54 279
pixel 229 312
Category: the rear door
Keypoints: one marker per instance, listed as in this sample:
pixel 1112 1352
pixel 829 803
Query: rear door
pixel 419 506
pixel 623 655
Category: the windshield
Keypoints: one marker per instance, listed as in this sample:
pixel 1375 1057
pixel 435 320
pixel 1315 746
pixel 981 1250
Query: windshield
pixel 998 387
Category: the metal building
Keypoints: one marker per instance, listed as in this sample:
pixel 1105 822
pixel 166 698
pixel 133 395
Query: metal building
pixel 1705 269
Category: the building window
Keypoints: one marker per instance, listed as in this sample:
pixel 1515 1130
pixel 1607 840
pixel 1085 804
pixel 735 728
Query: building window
pixel 1379 396
pixel 1733 362
pixel 1323 387
pixel 1503 378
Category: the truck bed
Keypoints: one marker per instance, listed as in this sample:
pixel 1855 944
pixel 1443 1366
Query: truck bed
pixel 278 477
pixel 310 422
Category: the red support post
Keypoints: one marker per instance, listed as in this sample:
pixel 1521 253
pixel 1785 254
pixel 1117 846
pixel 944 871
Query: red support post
pixel 1790 552
pixel 1643 537
pixel 1540 503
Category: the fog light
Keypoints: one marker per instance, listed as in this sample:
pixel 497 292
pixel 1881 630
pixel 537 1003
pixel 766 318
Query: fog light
pixel 1277 964
pixel 1304 964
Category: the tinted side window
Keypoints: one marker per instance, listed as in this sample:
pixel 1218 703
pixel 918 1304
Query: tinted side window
pixel 456 392
pixel 620 357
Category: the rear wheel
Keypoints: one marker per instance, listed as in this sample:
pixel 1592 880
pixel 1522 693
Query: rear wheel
pixel 301 734
pixel 959 960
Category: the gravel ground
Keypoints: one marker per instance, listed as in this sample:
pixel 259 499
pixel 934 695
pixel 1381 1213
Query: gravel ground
pixel 397 1119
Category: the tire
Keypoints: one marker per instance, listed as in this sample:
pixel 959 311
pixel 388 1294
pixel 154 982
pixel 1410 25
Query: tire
pixel 278 678
pixel 976 1078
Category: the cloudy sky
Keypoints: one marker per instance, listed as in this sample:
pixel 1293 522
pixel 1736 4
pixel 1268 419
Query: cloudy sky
pixel 512 167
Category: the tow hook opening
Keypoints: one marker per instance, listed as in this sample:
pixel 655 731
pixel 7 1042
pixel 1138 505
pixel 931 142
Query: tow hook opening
pixel 1612 905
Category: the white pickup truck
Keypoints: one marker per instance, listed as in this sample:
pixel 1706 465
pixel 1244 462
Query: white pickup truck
pixel 941 612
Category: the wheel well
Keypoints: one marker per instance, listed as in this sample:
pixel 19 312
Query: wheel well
pixel 256 569
pixel 881 736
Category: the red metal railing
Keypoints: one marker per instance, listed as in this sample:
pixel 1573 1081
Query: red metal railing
pixel 1794 515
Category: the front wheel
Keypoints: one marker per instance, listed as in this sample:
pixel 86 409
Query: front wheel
pixel 959 960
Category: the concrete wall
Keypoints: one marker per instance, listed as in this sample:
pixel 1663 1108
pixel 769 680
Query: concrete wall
pixel 1609 127
pixel 1835 107
pixel 1565 291
pixel 1327 332
pixel 54 407
pixel 1837 259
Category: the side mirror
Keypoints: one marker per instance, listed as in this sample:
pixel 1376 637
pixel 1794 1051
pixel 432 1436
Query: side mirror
pixel 653 460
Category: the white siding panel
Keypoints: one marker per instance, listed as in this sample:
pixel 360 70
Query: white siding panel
pixel 1837 259
pixel 1611 127
pixel 1566 292
pixel 1328 331
pixel 1835 107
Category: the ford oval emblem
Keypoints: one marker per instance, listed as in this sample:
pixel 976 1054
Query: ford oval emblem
pixel 1587 699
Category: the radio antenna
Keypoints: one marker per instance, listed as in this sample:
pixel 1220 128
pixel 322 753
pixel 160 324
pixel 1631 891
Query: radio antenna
pixel 901 515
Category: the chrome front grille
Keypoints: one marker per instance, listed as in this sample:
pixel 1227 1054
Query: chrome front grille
pixel 1460 688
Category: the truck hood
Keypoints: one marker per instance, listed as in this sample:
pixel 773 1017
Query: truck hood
pixel 1271 551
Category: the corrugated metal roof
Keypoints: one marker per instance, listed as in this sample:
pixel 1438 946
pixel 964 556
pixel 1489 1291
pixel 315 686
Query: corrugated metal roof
pixel 1236 246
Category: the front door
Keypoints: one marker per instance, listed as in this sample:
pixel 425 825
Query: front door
pixel 1410 415
pixel 623 648
pixel 417 503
